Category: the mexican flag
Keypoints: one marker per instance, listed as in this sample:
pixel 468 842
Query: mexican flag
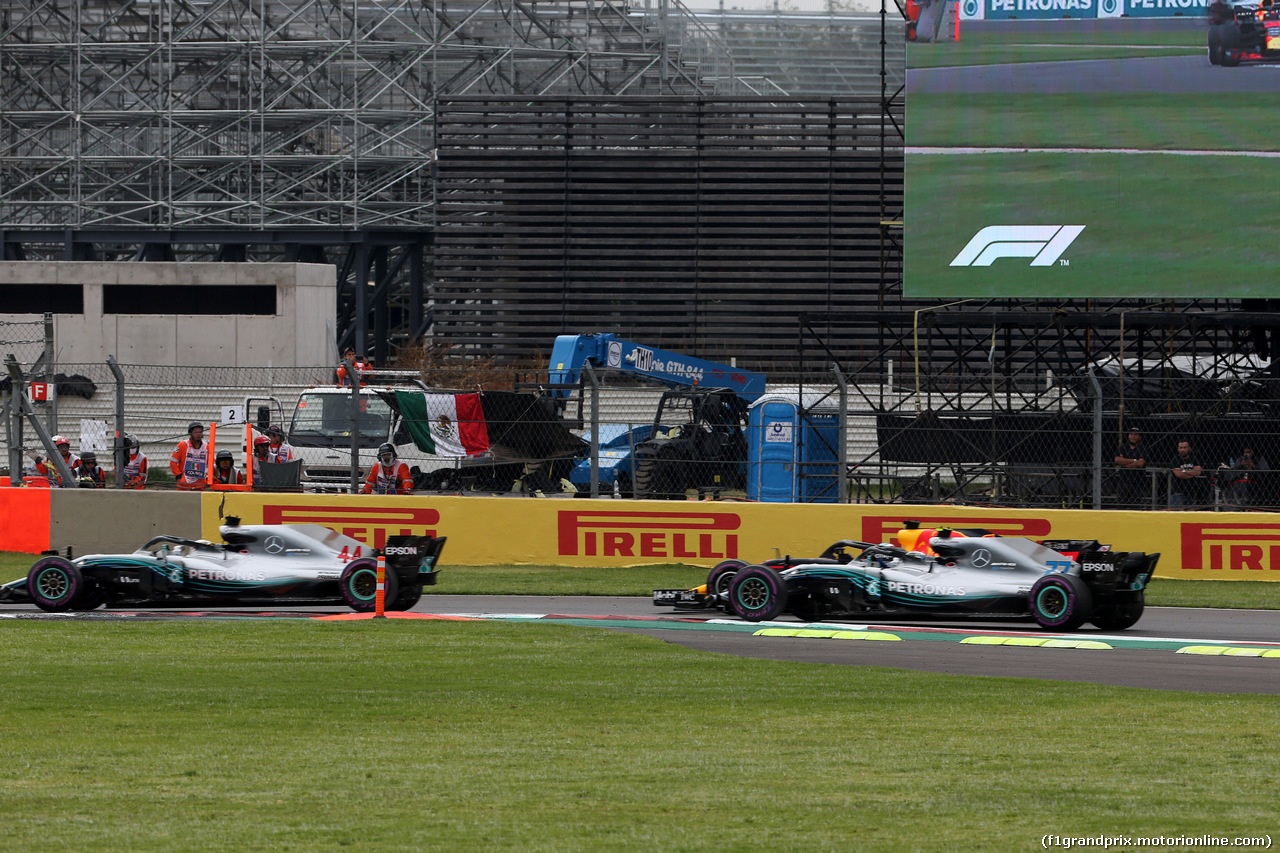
pixel 445 424
pixel 514 426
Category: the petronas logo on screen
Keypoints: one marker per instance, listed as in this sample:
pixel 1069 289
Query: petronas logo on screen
pixel 1044 244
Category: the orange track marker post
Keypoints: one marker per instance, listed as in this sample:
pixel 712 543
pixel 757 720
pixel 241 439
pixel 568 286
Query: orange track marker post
pixel 248 448
pixel 380 597
pixel 209 454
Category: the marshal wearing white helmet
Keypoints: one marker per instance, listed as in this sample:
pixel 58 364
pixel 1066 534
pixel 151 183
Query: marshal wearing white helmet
pixel 135 468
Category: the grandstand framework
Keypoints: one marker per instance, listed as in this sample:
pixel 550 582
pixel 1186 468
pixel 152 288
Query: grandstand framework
pixel 496 170
pixel 231 130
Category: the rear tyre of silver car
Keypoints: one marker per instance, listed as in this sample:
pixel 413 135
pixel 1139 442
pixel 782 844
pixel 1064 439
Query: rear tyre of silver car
pixel 1118 617
pixel 1060 602
pixel 359 586
pixel 758 594
pixel 53 584
pixel 407 598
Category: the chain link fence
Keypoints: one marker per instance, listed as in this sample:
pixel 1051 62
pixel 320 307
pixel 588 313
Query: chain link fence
pixel 1145 440
pixel 1035 441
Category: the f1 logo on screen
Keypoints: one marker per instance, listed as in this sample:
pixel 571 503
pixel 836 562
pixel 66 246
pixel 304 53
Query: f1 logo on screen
pixel 1044 244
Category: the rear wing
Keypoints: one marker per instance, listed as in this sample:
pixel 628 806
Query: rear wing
pixel 414 552
pixel 1117 571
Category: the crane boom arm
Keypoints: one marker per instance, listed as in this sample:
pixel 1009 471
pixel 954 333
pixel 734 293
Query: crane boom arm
pixel 572 352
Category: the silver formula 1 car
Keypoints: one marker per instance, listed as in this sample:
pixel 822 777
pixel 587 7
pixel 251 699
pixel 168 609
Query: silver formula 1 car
pixel 284 564
pixel 948 574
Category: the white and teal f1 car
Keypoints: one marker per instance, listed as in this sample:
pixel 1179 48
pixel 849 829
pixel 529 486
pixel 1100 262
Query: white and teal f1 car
pixel 254 565
pixel 953 574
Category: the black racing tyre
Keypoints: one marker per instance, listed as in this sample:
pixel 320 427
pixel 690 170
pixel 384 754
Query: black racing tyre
pixel 53 584
pixel 758 594
pixel 1230 42
pixel 1118 617
pixel 359 586
pixel 91 597
pixel 1060 602
pixel 1215 46
pixel 721 575
pixel 407 598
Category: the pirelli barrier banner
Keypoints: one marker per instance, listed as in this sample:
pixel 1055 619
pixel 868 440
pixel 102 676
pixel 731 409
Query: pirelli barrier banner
pixel 484 531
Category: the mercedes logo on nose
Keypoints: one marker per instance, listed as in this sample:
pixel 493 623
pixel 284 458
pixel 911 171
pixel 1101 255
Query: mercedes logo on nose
pixel 274 545
pixel 981 558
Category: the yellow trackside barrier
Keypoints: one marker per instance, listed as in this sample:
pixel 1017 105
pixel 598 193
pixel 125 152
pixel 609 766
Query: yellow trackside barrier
pixel 487 530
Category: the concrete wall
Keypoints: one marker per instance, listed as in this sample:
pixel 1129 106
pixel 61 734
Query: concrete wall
pixel 299 335
pixel 96 521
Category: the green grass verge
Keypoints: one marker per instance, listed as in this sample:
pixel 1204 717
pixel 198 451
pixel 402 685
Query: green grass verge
pixel 1039 44
pixel 1142 236
pixel 1144 121
pixel 561 580
pixel 480 736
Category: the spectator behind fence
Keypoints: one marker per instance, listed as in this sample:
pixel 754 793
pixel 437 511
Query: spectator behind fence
pixel 279 450
pixel 1188 488
pixel 388 476
pixel 1131 458
pixel 88 472
pixel 1236 478
pixel 135 469
pixel 190 460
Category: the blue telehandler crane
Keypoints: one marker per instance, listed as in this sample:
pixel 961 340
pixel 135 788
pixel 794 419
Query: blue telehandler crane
pixel 707 449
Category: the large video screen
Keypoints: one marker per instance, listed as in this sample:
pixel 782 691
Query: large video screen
pixel 1093 148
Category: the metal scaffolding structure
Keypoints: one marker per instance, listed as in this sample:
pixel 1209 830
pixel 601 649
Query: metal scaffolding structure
pixel 256 114
pixel 289 129
pixel 305 130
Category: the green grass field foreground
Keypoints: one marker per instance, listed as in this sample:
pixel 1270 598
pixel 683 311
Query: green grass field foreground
pixel 1039 44
pixel 483 736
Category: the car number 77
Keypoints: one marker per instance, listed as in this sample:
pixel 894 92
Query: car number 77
pixel 1062 566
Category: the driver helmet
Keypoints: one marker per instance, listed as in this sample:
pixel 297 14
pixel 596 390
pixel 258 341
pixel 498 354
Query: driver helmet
pixel 223 455
pixel 387 453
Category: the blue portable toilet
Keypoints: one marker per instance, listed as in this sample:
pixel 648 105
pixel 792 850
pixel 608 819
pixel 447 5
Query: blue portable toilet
pixel 793 456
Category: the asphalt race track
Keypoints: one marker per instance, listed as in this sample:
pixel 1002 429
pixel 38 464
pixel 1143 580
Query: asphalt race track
pixel 1222 645
pixel 1168 74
